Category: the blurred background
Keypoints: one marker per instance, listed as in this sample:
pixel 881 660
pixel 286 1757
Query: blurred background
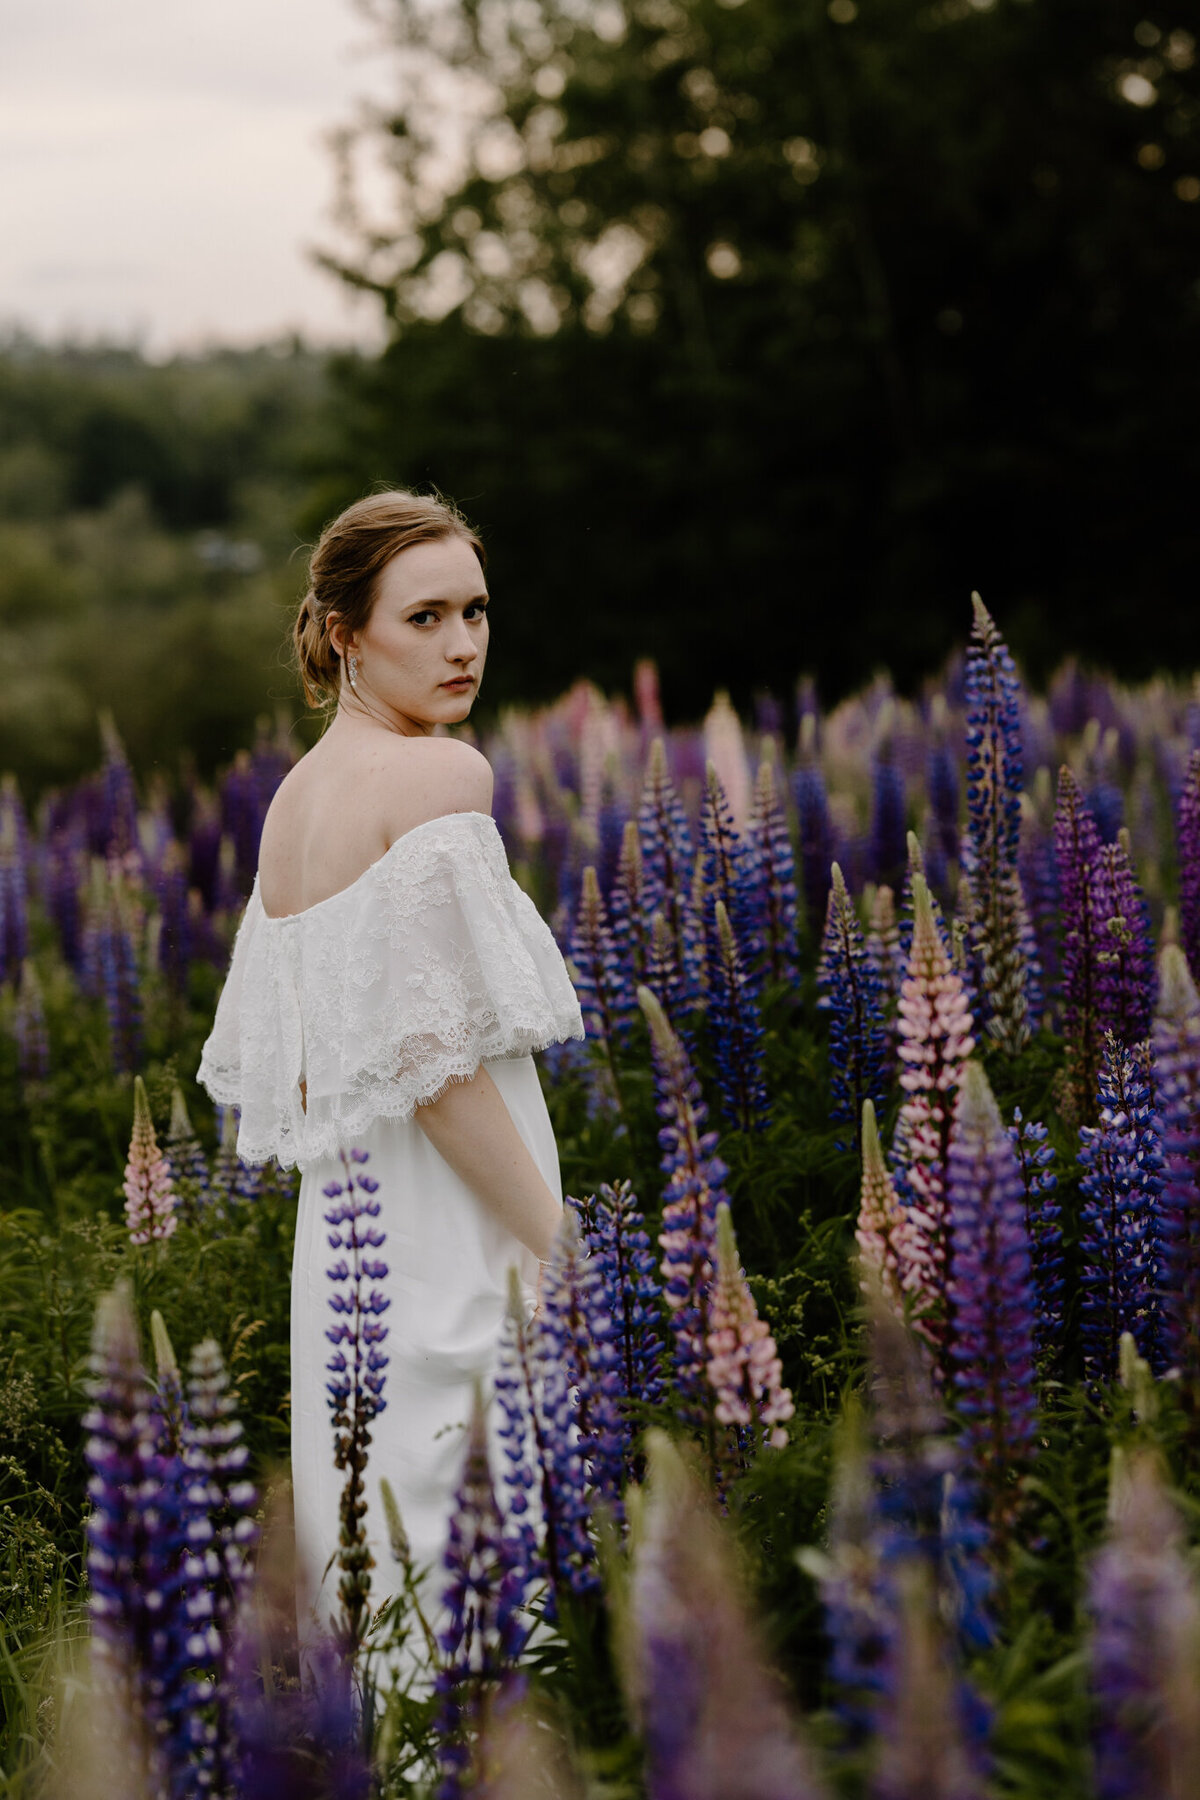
pixel 753 336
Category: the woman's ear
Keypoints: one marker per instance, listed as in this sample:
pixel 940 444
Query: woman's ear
pixel 336 633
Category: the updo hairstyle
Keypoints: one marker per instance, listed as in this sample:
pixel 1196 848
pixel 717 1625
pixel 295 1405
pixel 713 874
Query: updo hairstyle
pixel 344 567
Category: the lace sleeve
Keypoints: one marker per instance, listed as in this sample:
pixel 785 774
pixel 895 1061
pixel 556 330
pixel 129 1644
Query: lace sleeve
pixel 432 963
pixel 220 1068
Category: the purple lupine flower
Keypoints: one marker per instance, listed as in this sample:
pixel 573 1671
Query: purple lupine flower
pixel 605 993
pixel 667 865
pixel 29 1027
pixel 885 1234
pixel 110 964
pixel 850 993
pixel 993 1298
pixel 241 821
pixel 1040 884
pixel 729 875
pixel 711 1713
pixel 859 1616
pixel 629 911
pixel 1145 1613
pixel 935 1029
pixel 1035 1159
pixel 1106 803
pixel 142 1589
pixel 150 1199
pixel 744 1369
pixel 774 872
pixel 1120 1233
pixel 927 1717
pixel 115 824
pixel 1076 847
pixel 619 1244
pixel 1177 1080
pixel 578 1346
pixel 818 845
pixel 187 1161
pixel 14 882
pixel 886 852
pixel 484 1634
pixel 356 1369
pixel 735 1030
pixel 695 1176
pixel 204 849
pixel 297 1745
pixel 1123 950
pixel 1187 842
pixel 64 876
pixel 175 948
pixel 941 780
pixel 990 847
pixel 927 1510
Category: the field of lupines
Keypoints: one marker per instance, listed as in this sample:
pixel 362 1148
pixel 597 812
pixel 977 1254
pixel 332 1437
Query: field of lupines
pixel 855 1448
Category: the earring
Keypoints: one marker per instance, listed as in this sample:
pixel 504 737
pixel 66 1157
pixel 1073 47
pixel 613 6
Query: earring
pixel 353 669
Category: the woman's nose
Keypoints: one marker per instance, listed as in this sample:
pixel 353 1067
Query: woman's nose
pixel 462 647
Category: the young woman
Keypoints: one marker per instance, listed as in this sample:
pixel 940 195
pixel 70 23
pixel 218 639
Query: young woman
pixel 388 985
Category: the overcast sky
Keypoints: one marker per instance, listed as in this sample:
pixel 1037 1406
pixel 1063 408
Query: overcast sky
pixel 162 167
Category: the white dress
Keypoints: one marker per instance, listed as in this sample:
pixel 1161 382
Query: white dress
pixel 433 962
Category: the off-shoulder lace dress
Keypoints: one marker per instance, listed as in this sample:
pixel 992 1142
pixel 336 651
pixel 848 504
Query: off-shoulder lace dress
pixel 433 962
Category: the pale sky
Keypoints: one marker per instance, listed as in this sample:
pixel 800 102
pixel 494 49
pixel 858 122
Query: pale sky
pixel 162 167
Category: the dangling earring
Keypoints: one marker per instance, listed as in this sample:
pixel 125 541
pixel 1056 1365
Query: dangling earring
pixel 353 669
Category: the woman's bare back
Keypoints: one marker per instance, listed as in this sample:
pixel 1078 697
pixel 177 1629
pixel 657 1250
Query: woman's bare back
pixel 347 801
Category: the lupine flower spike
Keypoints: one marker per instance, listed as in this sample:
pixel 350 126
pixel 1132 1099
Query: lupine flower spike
pixel 667 864
pixel 484 1634
pixel 630 910
pixel 774 871
pixel 1035 1159
pixel 924 1753
pixel 1177 1078
pixel 851 995
pixel 886 1237
pixel 150 1198
pixel 694 1190
pixel 1124 955
pixel 935 1030
pixel 580 1371
pixel 992 1296
pixel 356 1370
pixel 818 845
pixel 605 994
pixel 735 1031
pixel 1145 1613
pixel 1076 848
pixel 188 1163
pixel 743 1365
pixel 730 878
pixel 990 848
pixel 1120 1233
pixel 711 1712
pixel 620 1247
pixel 1188 846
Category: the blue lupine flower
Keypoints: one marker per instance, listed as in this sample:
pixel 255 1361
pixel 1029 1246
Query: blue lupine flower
pixel 175 947
pixel 1177 1080
pixel 578 1344
pixel 605 993
pixel 694 1189
pixel 1188 848
pixel 1035 1159
pixel 115 825
pixel 618 1242
pixel 735 1031
pixel 1040 884
pixel 1076 848
pixel 629 910
pixel 941 780
pixel 356 1369
pixel 886 849
pixel 63 878
pixel 774 877
pixel 188 1163
pixel 667 859
pixel 484 1633
pixel 1145 1614
pixel 1120 1235
pixel 110 970
pixel 730 878
pixel 992 1296
pixel 990 847
pixel 850 993
pixel 818 845
pixel 1124 952
pixel 528 1501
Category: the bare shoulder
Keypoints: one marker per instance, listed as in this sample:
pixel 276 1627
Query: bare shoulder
pixel 426 778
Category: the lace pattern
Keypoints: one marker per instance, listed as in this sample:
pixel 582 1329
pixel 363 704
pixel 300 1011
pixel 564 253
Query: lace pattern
pixel 378 998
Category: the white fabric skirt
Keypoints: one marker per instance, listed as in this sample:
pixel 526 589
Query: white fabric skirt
pixel 448 1261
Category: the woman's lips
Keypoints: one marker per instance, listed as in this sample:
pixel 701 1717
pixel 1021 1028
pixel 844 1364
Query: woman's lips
pixel 460 682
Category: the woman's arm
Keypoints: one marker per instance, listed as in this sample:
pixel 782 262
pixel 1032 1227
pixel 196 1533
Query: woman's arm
pixel 472 1130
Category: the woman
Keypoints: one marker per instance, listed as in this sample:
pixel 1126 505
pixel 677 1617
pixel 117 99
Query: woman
pixel 388 985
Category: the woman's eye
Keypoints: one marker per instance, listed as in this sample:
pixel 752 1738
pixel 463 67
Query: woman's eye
pixel 478 611
pixel 419 618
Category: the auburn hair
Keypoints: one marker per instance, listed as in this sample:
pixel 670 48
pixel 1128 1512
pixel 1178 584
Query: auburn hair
pixel 344 568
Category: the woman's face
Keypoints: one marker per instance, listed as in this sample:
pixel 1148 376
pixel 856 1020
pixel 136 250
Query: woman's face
pixel 422 651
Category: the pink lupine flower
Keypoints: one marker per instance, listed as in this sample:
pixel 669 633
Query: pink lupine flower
pixel 725 748
pixel 886 1237
pixel 149 1196
pixel 936 1034
pixel 744 1367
